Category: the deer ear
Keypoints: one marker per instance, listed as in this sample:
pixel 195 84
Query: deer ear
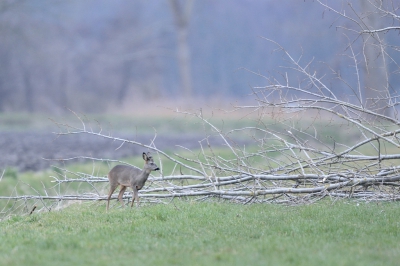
pixel 144 156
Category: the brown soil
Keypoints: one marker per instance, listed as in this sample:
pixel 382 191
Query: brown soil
pixel 29 150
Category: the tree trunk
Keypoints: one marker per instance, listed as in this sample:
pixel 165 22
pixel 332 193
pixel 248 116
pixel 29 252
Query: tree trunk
pixel 181 13
pixel 376 94
pixel 29 101
pixel 63 95
pixel 125 80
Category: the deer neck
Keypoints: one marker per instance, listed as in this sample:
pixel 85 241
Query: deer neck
pixel 145 174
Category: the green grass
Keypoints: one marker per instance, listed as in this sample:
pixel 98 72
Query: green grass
pixel 167 123
pixel 188 233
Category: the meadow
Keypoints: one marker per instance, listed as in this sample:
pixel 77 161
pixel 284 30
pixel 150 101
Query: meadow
pixel 211 233
pixel 187 231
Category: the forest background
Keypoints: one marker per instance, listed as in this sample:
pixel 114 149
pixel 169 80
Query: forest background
pixel 97 55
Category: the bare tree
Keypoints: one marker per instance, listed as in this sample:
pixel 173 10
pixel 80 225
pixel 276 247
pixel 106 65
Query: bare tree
pixel 369 22
pixel 181 11
pixel 376 76
pixel 49 57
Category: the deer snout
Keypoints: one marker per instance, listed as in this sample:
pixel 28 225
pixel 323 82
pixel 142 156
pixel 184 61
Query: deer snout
pixel 156 169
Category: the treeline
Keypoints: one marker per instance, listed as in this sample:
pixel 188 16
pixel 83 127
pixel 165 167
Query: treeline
pixel 88 55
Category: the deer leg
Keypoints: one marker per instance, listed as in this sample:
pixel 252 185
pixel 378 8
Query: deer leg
pixel 121 194
pixel 112 189
pixel 137 199
pixel 135 196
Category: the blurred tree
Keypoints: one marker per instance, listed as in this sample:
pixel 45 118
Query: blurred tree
pixel 89 55
pixel 182 11
pixel 376 76
pixel 6 57
pixel 128 49
pixel 368 23
pixel 28 88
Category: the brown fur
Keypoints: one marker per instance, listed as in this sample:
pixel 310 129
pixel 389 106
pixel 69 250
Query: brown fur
pixel 128 176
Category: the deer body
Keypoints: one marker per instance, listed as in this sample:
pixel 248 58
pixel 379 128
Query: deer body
pixel 128 176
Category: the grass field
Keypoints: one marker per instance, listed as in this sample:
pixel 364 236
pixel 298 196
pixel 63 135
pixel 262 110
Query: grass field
pixel 186 232
pixel 167 122
pixel 213 233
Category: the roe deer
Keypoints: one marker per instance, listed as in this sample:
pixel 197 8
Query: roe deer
pixel 128 176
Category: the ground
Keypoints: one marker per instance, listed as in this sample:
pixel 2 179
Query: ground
pixel 27 150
